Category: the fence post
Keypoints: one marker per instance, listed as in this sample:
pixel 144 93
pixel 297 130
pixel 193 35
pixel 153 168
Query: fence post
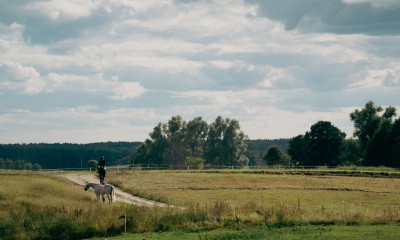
pixel 125 220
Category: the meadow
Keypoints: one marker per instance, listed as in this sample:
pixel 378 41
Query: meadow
pixel 220 204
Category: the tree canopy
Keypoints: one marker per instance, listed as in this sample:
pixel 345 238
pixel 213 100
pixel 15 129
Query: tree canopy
pixel 220 143
pixel 367 122
pixel 376 142
pixel 319 146
pixel 277 156
pixel 193 143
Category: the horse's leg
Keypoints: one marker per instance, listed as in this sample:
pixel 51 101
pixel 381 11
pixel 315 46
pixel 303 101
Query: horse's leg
pixel 109 198
pixel 102 196
pixel 98 196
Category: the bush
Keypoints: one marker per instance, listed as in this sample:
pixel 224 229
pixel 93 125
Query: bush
pixel 195 162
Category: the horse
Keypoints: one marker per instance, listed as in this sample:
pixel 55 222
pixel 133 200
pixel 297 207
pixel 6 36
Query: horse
pixel 100 189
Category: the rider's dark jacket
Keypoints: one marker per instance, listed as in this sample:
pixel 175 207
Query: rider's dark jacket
pixel 101 163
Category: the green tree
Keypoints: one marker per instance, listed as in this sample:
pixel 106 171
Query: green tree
pixel 382 148
pixel 214 148
pixel 195 137
pixel 276 156
pixel 19 164
pixel 157 145
pixel 195 162
pixel 142 153
pixel 324 142
pixel 351 153
pixel 298 150
pixel 222 142
pixel 253 154
pixel 28 166
pixel 367 122
pixel 92 163
pixel 36 167
pixel 321 145
pixel 176 131
pixel 225 144
pixel 395 151
pixel 9 164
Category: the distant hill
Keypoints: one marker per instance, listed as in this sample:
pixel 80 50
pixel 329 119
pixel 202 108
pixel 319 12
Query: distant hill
pixel 70 155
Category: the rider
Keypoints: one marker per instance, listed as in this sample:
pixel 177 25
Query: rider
pixel 101 169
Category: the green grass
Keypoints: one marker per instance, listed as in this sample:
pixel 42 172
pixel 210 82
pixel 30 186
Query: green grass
pixel 217 205
pixel 301 197
pixel 41 206
pixel 363 232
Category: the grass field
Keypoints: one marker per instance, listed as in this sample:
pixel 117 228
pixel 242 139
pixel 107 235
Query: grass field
pixel 303 197
pixel 365 232
pixel 225 204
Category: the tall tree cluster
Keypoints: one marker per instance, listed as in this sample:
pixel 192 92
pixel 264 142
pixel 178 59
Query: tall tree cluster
pixel 219 143
pixel 376 142
pixel 321 145
pixel 378 134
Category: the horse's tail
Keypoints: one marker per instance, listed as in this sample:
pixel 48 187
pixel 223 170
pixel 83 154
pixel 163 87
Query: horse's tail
pixel 113 194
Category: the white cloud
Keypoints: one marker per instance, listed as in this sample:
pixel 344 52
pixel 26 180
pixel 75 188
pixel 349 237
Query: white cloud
pixel 225 65
pixel 193 58
pixel 128 90
pixel 385 74
pixel 63 9
pixel 24 78
pixel 386 4
pixel 216 98
pixel 83 124
pixel 276 76
pixel 279 123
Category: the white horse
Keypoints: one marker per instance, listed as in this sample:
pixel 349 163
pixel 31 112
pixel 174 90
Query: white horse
pixel 100 189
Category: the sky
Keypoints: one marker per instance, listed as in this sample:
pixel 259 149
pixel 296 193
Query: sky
pixel 83 71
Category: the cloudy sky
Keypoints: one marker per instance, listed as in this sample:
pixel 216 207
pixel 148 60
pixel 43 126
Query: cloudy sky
pixel 84 71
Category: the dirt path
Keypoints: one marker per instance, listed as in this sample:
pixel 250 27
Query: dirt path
pixel 121 196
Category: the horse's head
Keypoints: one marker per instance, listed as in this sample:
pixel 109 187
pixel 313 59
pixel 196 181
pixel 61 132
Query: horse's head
pixel 87 187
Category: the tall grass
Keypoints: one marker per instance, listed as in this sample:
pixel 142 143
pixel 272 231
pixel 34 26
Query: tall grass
pixel 257 197
pixel 42 206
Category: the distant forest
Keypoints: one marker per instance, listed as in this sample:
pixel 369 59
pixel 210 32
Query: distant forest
pixel 221 143
pixel 66 155
pixel 69 155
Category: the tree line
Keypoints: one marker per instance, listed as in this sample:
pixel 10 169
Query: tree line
pixel 179 142
pixel 66 155
pixel 376 141
pixel 18 165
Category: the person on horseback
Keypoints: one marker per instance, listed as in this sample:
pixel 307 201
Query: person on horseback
pixel 101 169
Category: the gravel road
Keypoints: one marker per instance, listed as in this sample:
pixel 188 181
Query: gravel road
pixel 121 196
